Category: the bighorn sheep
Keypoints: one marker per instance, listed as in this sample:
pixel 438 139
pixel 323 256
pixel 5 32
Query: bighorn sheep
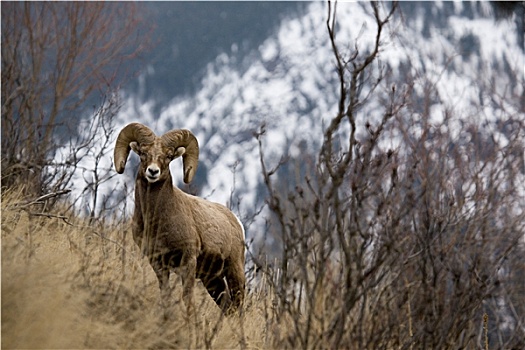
pixel 177 230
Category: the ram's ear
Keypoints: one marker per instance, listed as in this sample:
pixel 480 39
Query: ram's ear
pixel 135 147
pixel 179 152
pixel 174 153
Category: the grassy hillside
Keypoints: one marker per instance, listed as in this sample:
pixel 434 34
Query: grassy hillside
pixel 66 284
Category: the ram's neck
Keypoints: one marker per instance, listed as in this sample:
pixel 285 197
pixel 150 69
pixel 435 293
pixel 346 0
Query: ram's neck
pixel 157 197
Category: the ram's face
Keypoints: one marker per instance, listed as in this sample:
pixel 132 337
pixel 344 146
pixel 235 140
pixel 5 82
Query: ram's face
pixel 155 159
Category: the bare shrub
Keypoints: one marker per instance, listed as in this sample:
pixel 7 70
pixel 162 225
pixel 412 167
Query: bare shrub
pixel 85 161
pixel 407 232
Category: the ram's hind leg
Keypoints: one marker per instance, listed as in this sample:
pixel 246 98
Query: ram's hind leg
pixel 218 290
pixel 234 273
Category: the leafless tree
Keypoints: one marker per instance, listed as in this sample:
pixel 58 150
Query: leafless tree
pixel 56 57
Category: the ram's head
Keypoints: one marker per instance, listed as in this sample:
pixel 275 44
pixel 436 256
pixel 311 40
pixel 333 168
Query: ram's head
pixel 155 152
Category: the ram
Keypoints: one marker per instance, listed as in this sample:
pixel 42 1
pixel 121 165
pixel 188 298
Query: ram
pixel 201 239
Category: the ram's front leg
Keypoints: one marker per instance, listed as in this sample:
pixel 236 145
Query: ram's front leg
pixel 163 275
pixel 138 235
pixel 137 229
pixel 188 270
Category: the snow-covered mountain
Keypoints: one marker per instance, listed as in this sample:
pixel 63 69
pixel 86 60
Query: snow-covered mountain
pixel 290 85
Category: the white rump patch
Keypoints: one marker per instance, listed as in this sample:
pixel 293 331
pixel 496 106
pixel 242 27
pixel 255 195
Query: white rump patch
pixel 242 227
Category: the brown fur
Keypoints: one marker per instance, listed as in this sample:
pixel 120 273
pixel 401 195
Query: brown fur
pixel 202 239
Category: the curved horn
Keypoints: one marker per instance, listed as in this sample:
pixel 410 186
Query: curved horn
pixel 190 158
pixel 134 132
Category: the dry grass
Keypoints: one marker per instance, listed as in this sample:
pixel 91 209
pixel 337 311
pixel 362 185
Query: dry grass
pixel 76 286
pixel 68 284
